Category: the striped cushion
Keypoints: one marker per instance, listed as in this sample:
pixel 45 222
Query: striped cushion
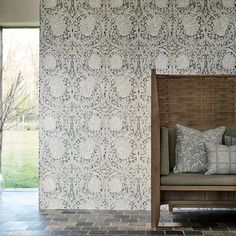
pixel 229 140
pixel 221 159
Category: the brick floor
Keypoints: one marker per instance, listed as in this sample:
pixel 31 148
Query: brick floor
pixel 19 215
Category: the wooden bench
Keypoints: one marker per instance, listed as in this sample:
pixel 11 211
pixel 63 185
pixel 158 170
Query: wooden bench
pixel 199 101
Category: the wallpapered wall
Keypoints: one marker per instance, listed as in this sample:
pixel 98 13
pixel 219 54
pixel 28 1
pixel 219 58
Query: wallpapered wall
pixel 96 57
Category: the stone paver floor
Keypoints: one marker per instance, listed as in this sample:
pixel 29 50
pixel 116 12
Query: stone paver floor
pixel 19 215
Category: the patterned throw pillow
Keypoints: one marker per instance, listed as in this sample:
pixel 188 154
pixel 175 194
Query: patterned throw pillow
pixel 221 159
pixel 229 141
pixel 190 148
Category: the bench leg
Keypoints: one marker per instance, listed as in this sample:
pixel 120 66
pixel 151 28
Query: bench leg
pixel 155 216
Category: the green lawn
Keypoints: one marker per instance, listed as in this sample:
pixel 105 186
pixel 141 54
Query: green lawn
pixel 20 159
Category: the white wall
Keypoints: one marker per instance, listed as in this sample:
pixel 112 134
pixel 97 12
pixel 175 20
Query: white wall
pixel 96 57
pixel 20 13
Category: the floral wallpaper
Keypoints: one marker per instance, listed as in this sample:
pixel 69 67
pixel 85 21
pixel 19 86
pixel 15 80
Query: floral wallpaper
pixel 96 57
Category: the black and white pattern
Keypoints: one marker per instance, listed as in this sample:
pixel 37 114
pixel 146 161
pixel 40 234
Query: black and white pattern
pixel 190 148
pixel 96 57
pixel 221 159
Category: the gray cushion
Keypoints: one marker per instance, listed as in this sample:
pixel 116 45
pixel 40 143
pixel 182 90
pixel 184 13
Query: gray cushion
pixel 221 159
pixel 230 131
pixel 190 149
pixel 197 179
pixel 229 140
pixel 165 168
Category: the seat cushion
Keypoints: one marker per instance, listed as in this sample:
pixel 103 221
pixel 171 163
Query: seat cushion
pixel 231 131
pixel 197 179
pixel 229 140
pixel 165 168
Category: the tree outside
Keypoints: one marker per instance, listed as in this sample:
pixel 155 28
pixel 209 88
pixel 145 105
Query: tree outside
pixel 20 139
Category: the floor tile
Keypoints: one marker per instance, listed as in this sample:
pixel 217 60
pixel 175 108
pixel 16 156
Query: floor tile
pixel 22 217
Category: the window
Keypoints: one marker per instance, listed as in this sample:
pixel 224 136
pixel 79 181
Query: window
pixel 20 139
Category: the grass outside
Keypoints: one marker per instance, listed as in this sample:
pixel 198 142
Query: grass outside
pixel 20 159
